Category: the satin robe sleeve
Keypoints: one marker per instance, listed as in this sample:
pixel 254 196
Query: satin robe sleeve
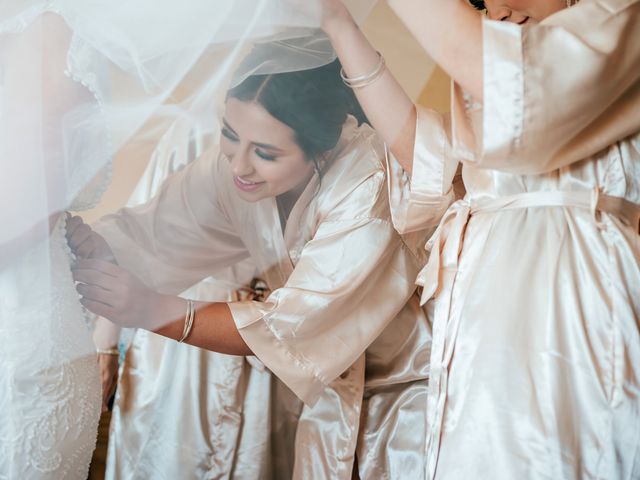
pixel 350 281
pixel 419 200
pixel 180 236
pixel 556 92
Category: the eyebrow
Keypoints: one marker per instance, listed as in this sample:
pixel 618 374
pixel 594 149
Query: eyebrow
pixel 265 146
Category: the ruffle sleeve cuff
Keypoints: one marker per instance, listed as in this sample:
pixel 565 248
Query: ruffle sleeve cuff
pixel 298 373
pixel 419 201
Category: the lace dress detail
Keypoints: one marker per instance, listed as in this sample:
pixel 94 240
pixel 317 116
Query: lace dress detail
pixel 50 391
pixel 50 388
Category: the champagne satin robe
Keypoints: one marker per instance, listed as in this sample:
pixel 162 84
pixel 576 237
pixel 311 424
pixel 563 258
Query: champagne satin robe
pixel 534 277
pixel 182 391
pixel 341 281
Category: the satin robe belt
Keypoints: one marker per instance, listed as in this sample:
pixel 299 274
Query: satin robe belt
pixel 439 275
pixel 446 243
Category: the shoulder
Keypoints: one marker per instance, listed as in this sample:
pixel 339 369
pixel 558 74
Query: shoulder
pixel 359 156
pixel 617 6
pixel 357 174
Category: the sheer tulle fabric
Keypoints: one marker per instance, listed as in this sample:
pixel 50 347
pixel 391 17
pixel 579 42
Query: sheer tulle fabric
pixel 80 80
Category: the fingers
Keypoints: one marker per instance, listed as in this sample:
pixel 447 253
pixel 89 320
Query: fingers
pixel 103 266
pixel 85 248
pixel 96 285
pixel 73 223
pixel 98 308
pixel 96 294
pixel 80 237
pixel 93 277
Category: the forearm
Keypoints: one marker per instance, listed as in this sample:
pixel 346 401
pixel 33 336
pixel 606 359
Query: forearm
pixel 451 33
pixel 389 109
pixel 213 327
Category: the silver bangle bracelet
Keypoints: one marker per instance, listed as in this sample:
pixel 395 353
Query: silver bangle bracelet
pixel 366 79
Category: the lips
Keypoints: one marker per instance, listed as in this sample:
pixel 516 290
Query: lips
pixel 246 185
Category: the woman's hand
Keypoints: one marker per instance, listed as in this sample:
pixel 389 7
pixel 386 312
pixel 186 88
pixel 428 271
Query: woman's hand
pixel 116 294
pixel 85 243
pixel 332 13
pixel 108 365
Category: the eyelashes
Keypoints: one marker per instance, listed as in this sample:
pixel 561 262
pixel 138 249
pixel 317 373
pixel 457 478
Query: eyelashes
pixel 265 156
pixel 231 137
pixel 227 133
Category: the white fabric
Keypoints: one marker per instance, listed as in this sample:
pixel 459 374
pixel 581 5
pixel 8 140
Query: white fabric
pixel 78 81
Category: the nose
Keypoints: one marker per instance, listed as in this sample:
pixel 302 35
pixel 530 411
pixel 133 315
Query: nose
pixel 500 14
pixel 240 163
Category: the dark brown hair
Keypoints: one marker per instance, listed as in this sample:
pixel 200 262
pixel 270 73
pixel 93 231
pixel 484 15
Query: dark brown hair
pixel 314 103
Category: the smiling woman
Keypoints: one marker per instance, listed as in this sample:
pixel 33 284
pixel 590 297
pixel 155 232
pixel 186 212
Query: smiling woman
pixel 261 169
pixel 299 187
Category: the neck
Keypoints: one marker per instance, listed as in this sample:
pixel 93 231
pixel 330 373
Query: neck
pixel 287 200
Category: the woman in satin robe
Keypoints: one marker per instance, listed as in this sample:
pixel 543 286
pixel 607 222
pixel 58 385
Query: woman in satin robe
pixel 533 278
pixel 298 187
pixel 160 377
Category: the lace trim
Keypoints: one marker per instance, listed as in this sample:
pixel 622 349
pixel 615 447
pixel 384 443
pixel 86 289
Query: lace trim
pixel 79 70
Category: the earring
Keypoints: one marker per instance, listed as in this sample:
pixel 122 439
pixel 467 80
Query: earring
pixel 316 167
pixel 320 163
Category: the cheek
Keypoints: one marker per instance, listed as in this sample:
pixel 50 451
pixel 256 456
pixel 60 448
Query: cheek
pixel 522 5
pixel 285 175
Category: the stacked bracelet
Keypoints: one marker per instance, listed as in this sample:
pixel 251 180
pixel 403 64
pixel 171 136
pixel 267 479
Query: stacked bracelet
pixel 366 79
pixel 188 321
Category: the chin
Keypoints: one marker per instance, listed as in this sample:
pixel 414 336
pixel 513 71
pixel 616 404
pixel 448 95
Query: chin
pixel 251 197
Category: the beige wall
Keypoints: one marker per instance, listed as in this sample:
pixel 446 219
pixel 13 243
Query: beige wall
pixel 423 81
pixel 436 94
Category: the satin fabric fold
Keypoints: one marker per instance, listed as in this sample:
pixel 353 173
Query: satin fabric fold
pixel 533 279
pixel 316 328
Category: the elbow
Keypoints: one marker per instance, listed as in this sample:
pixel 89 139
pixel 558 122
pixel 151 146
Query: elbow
pixel 244 350
pixel 403 145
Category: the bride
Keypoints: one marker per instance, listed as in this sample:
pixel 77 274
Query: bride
pixel 49 383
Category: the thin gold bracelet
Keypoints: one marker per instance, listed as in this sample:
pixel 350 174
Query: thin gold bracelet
pixel 108 351
pixel 188 321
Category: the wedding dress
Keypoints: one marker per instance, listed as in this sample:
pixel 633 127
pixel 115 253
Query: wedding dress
pixel 50 390
pixel 50 383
